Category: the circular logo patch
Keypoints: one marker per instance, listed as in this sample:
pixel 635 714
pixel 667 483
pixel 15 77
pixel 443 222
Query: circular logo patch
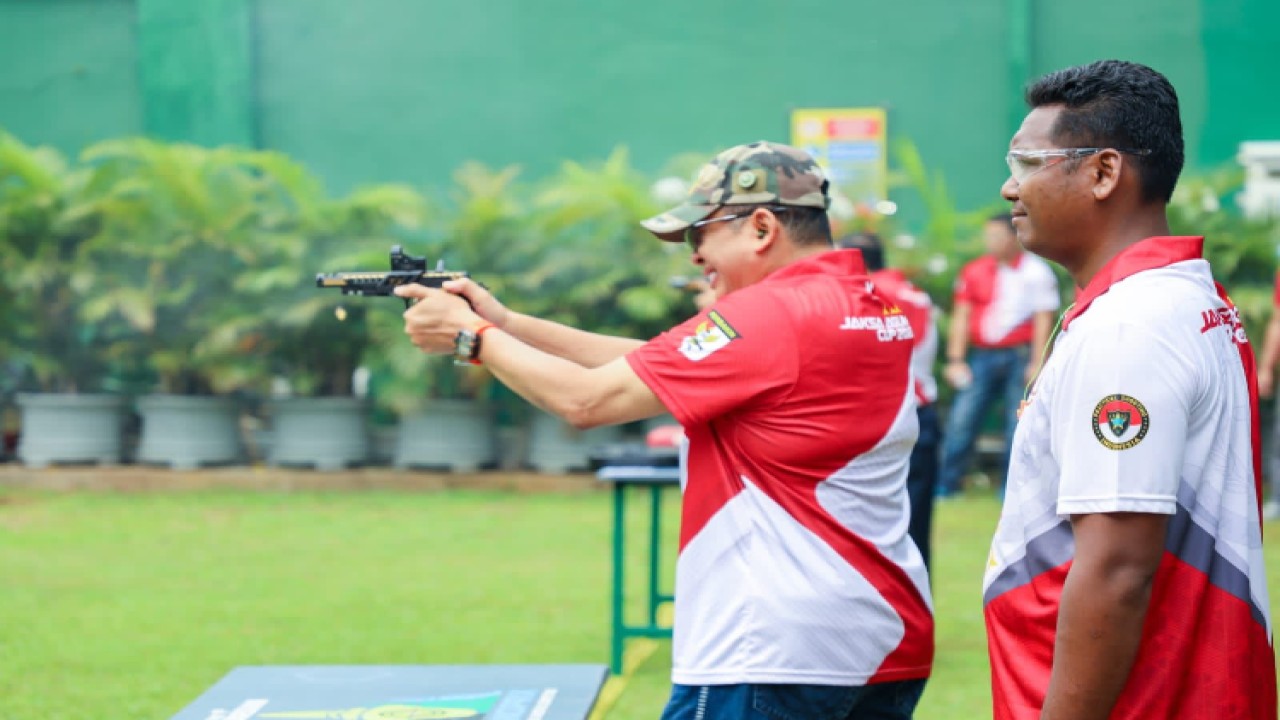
pixel 1120 422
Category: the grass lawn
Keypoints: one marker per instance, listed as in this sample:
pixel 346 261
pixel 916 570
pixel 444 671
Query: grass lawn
pixel 130 605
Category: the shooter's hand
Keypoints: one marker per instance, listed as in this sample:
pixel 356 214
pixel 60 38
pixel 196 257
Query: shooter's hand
pixel 435 317
pixel 483 301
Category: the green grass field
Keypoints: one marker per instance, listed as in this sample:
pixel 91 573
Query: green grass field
pixel 129 606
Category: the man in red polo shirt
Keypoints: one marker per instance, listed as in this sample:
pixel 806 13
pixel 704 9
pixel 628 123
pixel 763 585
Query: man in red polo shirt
pixel 1003 311
pixel 798 591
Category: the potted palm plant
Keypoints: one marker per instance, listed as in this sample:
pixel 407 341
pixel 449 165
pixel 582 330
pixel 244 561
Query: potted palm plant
pixel 316 417
pixel 57 354
pixel 318 342
pixel 444 420
pixel 181 228
pixel 450 416
pixel 600 271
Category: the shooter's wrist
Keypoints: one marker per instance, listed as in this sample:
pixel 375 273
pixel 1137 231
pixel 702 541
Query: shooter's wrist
pixel 509 322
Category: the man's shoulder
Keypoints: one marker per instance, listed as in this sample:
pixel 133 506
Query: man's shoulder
pixel 771 300
pixel 1189 281
pixel 827 275
pixel 1159 302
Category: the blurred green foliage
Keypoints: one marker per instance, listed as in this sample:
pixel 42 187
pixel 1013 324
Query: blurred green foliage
pixel 1241 250
pixel 45 224
pixel 178 227
pixel 144 266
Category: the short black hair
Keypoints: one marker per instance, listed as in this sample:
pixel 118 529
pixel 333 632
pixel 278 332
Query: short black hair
pixel 1121 105
pixel 805 225
pixel 1004 218
pixel 870 245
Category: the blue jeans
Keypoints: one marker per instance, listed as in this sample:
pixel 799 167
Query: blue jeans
pixel 922 479
pixel 999 374
pixel 883 701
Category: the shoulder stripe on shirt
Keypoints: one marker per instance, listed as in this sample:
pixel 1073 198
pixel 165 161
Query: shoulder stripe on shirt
pixel 1045 552
pixel 1187 541
pixel 1198 548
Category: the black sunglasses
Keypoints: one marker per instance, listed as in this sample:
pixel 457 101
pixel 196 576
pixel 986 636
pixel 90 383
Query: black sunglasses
pixel 694 238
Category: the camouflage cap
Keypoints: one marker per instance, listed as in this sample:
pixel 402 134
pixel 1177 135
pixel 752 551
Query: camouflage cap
pixel 759 173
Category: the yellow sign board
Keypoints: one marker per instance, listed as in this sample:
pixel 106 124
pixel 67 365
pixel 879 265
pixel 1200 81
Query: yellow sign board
pixel 850 144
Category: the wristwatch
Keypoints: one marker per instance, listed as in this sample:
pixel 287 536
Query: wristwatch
pixel 466 344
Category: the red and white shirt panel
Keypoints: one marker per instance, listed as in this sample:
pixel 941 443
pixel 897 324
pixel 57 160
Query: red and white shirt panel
pixel 795 565
pixel 1004 297
pixel 1144 405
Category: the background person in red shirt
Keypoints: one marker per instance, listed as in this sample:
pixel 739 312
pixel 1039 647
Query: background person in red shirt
pixel 1003 312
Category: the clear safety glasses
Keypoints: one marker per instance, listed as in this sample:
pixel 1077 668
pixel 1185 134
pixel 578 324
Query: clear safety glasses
pixel 1025 163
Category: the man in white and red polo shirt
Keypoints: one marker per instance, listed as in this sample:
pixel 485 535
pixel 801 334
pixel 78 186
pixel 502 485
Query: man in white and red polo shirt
pixel 1003 310
pixel 798 591
pixel 1126 577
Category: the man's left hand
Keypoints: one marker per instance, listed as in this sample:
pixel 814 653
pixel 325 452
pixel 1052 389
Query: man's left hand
pixel 435 318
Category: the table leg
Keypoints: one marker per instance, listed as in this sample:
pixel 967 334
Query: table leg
pixel 655 524
pixel 619 534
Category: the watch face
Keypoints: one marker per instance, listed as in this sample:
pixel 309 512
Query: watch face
pixel 464 345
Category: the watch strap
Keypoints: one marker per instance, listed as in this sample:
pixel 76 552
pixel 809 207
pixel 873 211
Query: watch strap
pixel 478 332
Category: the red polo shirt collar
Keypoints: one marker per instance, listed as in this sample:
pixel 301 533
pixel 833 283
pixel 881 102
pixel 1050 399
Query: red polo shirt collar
pixel 835 262
pixel 891 274
pixel 1148 254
